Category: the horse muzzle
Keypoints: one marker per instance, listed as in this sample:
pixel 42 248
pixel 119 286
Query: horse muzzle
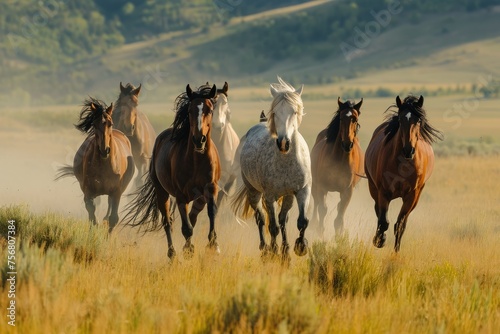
pixel 105 153
pixel 200 144
pixel 409 152
pixel 347 146
pixel 283 144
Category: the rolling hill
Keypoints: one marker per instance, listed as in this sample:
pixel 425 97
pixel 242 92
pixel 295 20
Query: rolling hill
pixel 413 49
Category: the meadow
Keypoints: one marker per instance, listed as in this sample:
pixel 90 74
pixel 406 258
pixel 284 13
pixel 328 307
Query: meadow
pixel 74 279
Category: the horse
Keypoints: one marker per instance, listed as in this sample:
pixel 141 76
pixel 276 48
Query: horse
pixel 136 126
pixel 185 165
pixel 226 140
pixel 103 165
pixel 337 162
pixel 398 162
pixel 276 166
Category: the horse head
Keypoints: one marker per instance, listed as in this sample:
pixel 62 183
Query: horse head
pixel 409 123
pixel 221 108
pixel 127 108
pixel 349 115
pixel 103 128
pixel 286 113
pixel 200 111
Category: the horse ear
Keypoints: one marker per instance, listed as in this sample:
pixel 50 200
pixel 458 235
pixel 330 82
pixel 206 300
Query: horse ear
pixel 189 91
pixel 225 88
pixel 299 91
pixel 263 117
pixel 358 106
pixel 398 101
pixel 420 101
pixel 339 102
pixel 92 106
pixel 273 90
pixel 122 89
pixel 137 90
pixel 213 92
pixel 109 111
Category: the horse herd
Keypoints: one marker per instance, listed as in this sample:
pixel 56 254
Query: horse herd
pixel 199 158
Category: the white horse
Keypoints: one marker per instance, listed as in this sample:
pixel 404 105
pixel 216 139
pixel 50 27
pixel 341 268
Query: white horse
pixel 275 164
pixel 226 140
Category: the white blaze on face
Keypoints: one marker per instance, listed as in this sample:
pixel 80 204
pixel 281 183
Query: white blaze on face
pixel 408 115
pixel 349 114
pixel 200 114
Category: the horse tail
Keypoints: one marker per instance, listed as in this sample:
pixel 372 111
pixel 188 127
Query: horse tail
pixel 241 205
pixel 143 209
pixel 64 171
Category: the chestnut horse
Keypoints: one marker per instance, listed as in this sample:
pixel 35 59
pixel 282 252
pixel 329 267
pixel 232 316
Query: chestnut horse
pixel 337 162
pixel 136 126
pixel 103 165
pixel 185 165
pixel 399 160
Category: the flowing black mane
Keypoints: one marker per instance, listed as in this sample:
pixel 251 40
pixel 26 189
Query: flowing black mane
pixel 180 125
pixel 410 103
pixel 332 131
pixel 88 116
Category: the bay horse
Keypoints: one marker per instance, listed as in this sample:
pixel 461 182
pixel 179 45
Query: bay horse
pixel 226 140
pixel 184 165
pixel 136 126
pixel 399 161
pixel 276 166
pixel 337 162
pixel 103 165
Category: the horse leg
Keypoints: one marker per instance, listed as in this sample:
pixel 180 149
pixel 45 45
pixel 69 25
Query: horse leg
pixel 320 208
pixel 345 198
pixel 210 193
pixel 286 205
pixel 273 224
pixel 163 200
pixel 381 208
pixel 409 203
pixel 90 206
pixel 302 197
pixel 113 204
pixel 187 229
pixel 254 199
pixel 141 170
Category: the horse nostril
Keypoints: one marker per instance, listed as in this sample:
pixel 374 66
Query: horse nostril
pixel 133 127
pixel 283 144
pixel 108 150
pixel 203 139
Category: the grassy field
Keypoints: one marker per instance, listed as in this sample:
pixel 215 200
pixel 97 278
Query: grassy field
pixel 446 278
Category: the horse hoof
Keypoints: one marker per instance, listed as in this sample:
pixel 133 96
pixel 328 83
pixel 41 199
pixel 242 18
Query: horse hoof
pixel 171 253
pixel 300 248
pixel 188 252
pixel 379 240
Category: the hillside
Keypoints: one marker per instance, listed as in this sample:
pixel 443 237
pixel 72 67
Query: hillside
pixel 247 45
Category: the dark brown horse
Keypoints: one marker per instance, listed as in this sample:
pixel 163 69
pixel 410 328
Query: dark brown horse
pixel 136 126
pixel 337 162
pixel 185 165
pixel 399 160
pixel 103 165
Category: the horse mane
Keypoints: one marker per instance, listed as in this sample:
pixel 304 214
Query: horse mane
pixel 429 133
pixel 180 125
pixel 285 92
pixel 88 116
